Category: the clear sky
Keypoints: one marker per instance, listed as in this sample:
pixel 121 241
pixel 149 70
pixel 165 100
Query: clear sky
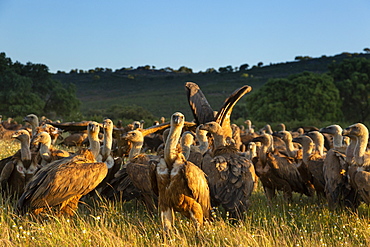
pixel 199 34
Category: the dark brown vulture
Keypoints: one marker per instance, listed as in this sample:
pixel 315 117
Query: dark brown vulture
pixel 337 188
pixel 202 111
pixel 314 162
pixel 63 182
pixel 231 176
pixel 106 156
pixel 181 185
pixel 133 180
pixel 277 172
pixel 17 170
pixel 359 171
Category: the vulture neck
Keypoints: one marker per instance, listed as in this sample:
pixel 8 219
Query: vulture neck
pixel 107 144
pixel 219 139
pixel 135 149
pixel 263 152
pixel 45 146
pixel 307 149
pixel 25 149
pixel 360 150
pixel 249 128
pixel 337 141
pixel 289 145
pixel 186 148
pixel 94 144
pixel 350 150
pixel 252 152
pixel 203 140
pixel 170 149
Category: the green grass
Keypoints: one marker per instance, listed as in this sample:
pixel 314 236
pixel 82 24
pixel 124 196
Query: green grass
pixel 100 223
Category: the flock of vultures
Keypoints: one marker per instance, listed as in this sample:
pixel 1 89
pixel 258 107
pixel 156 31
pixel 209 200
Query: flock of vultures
pixel 192 166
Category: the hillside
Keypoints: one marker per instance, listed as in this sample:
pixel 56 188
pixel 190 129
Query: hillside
pixel 162 93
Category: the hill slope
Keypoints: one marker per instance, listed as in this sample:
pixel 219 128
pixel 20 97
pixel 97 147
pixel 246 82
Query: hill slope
pixel 163 93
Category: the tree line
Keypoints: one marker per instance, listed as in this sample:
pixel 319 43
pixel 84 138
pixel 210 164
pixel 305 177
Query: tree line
pixel 341 94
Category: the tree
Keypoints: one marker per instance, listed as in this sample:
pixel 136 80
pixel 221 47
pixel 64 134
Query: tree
pixel 352 78
pixel 367 50
pixel 227 69
pixel 299 97
pixel 184 69
pixel 243 67
pixel 29 88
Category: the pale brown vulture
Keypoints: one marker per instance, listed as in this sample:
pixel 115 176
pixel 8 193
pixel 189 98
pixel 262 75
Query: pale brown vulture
pixel 63 182
pixel 181 185
pixel 47 152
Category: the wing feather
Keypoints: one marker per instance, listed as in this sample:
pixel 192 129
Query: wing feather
pixel 202 110
pixel 62 180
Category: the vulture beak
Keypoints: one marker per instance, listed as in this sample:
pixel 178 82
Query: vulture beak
pixel 177 119
pixel 346 132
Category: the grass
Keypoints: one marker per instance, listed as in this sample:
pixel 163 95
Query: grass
pixel 305 222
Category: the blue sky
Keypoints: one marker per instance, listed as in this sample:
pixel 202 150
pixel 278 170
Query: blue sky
pixel 84 34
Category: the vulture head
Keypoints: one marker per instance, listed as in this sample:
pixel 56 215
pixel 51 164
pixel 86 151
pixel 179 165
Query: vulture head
pixel 211 127
pixel 305 141
pixel 32 119
pixel 332 129
pixel 177 119
pixel 356 130
pixel 108 124
pixel 133 136
pixel 42 137
pixel 21 135
pixel 284 135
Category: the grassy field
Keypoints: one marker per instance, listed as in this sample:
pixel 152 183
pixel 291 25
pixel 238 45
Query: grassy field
pixel 305 222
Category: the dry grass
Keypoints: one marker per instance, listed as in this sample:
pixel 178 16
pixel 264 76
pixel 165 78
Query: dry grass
pixel 102 223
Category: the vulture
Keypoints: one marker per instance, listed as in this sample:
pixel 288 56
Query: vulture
pixel 46 151
pixel 277 172
pixel 181 185
pixel 359 170
pixel 319 141
pixel 16 170
pixel 335 169
pixel 231 176
pixel 248 134
pixel 133 180
pixel 33 120
pixel 105 155
pixel 191 152
pixel 313 162
pixel 62 183
pixel 287 138
pixel 202 111
pixel 249 129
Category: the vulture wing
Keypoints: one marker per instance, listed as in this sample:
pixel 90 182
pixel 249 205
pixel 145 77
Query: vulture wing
pixel 61 180
pixel 223 115
pixel 334 171
pixel 202 110
pixel 73 126
pixel 198 185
